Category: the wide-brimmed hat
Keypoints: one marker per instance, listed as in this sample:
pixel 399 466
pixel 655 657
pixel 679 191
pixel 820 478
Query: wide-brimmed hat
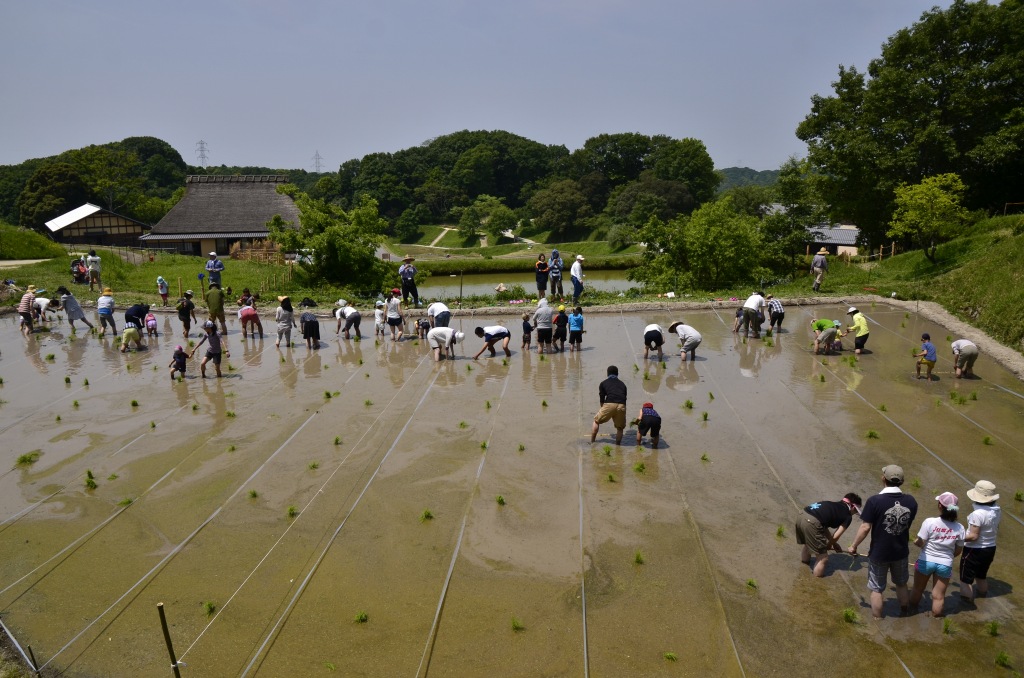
pixel 893 472
pixel 983 492
pixel 189 293
pixel 31 288
pixel 673 326
pixel 282 297
pixel 408 257
pixel 852 310
pixel 107 290
pixel 948 499
pixel 159 278
pixel 823 251
pixel 459 336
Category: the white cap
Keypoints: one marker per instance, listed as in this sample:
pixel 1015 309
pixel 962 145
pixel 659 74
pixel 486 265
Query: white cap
pixel 459 336
pixel 579 257
pixel 213 254
pixel 341 302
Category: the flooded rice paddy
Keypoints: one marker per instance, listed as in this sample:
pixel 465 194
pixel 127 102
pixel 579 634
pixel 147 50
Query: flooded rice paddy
pixel 337 510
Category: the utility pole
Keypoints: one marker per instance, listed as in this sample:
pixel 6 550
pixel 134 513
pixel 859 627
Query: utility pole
pixel 201 153
pixel 318 161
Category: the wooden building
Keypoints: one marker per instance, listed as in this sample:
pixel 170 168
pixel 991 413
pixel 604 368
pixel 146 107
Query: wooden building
pixel 92 225
pixel 218 211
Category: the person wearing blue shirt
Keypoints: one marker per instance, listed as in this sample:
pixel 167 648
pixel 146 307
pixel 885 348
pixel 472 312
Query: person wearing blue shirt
pixel 927 356
pixel 214 267
pixel 576 330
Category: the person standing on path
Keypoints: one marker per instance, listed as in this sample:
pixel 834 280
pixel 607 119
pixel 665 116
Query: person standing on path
pixel 941 539
pixel 689 339
pixel 555 266
pixel 541 270
pixel 438 314
pixel 965 353
pixel 612 396
pixel 72 307
pixel 407 272
pixel 753 311
pixel 860 326
pixel 819 267
pixel 887 516
pixel 215 305
pixel 92 262
pixel 443 340
pixel 186 309
pixel 576 275
pixel 813 525
pixel 776 314
pixel 980 542
pixel 214 267
pixel 105 310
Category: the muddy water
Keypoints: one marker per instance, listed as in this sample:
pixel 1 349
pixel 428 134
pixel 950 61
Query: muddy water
pixel 448 286
pixel 80 574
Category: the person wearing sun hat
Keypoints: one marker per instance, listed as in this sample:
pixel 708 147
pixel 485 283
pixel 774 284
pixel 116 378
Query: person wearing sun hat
pixel 25 306
pixel 887 517
pixel 689 339
pixel 941 538
pixel 980 541
pixel 214 267
pixel 819 267
pixel 407 272
pixel 105 310
pixel 860 327
pixel 813 527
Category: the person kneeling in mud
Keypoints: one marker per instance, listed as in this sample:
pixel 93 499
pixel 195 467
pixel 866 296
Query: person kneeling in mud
pixel 213 352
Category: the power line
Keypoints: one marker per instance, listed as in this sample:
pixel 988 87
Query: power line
pixel 201 149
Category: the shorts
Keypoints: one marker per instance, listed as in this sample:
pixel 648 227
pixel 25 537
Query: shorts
pixel 974 563
pixel 965 359
pixel 653 339
pixel 926 567
pixel 151 325
pixel 544 335
pixel 827 336
pixel 107 319
pixel 130 334
pixel 614 411
pixel 442 319
pixel 213 356
pixel 690 344
pixel 94 276
pixel 575 336
pixel 860 341
pixel 811 533
pixel 777 318
pixel 396 322
pixel 559 334
pixel 877 573
pixel 353 320
pixel 27 318
pixel 649 423
pixel 929 363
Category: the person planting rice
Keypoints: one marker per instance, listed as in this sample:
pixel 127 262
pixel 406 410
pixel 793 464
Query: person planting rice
pixel 351 316
pixel 813 525
pixel 310 325
pixel 861 329
pixel 491 335
pixel 824 334
pixel 926 357
pixel 965 353
pixel 105 310
pixel 689 339
pixel 442 340
pixel 654 338
pixel 250 319
pixel 648 420
pixel 132 332
pixel 179 360
pixel 72 308
pixel 26 309
pixel 213 351
pixel 612 395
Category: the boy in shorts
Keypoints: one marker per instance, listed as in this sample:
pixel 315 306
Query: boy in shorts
pixel 813 529
pixel 527 331
pixel 378 319
pixel 927 356
pixel 213 351
pixel 648 420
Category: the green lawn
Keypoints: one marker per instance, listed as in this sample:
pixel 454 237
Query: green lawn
pixel 18 243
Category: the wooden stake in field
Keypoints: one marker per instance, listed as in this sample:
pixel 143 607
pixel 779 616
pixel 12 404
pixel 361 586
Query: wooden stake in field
pixel 167 639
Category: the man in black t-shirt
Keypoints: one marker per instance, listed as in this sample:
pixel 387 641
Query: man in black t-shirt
pixel 813 525
pixel 612 394
pixel 888 516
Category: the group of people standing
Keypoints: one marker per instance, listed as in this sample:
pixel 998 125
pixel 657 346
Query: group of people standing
pixel 549 271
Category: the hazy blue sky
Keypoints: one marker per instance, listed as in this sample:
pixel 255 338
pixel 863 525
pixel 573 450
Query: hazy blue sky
pixel 271 83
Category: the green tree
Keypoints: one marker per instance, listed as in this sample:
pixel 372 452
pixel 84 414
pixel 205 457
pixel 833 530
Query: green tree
pixel 53 190
pixel 114 176
pixel 638 201
pixel 474 171
pixel 786 229
pixel 560 208
pixel 407 227
pixel 930 212
pixel 688 162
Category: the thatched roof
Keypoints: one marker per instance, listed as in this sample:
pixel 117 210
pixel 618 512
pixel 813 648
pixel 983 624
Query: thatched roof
pixel 227 206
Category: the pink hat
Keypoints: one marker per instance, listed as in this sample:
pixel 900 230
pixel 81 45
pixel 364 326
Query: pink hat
pixel 948 499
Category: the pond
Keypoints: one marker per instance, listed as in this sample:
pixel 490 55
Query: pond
pixel 338 509
pixel 447 287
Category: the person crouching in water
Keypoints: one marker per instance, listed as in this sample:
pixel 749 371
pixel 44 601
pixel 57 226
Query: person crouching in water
pixel 132 332
pixel 648 420
pixel 178 362
pixel 213 352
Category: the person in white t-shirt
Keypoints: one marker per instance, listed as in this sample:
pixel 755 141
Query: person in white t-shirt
pixel 351 316
pixel 442 340
pixel 980 542
pixel 654 338
pixel 941 539
pixel 438 314
pixel 753 314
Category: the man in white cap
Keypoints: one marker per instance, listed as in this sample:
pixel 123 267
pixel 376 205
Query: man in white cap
pixel 819 267
pixel 351 316
pixel 443 340
pixel 887 516
pixel 980 542
pixel 576 273
pixel 214 267
pixel 407 272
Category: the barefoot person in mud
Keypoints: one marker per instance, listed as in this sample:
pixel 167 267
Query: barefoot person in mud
pixel 859 328
pixel 213 351
pixel 491 335
pixel 824 335
pixel 186 309
pixel 648 421
pixel 965 353
pixel 941 539
pixel 980 541
pixel 927 356
pixel 887 517
pixel 813 529
pixel 689 339
pixel 72 308
pixel 612 396
pixel 442 340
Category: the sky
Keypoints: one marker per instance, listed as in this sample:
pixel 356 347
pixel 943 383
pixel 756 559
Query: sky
pixel 273 84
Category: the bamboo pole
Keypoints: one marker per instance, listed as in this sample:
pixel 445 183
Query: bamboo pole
pixel 167 639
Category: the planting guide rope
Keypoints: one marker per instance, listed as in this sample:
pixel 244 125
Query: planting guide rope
pixel 320 491
pixel 428 650
pixel 583 549
pixel 258 655
pixel 693 523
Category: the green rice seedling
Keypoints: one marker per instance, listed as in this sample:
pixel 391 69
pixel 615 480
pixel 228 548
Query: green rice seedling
pixel 611 478
pixel 357 339
pixel 744 341
pixel 361 618
pixel 85 382
pixel 705 457
pixel 28 458
pixel 135 403
pixel 636 368
pixel 961 400
pixel 883 408
pixel 195 406
pixel 504 362
pixel 230 414
pixel 638 558
pixel 952 395
pixel 67 380
pixel 154 368
pixel 903 324
pixel 328 665
pixel 360 361
pixel 483 445
pixel 517 625
pixel 711 396
pixel 992 628
pixel 704 416
pixel 152 424
pixel 780 531
pixel 127 501
pixel 821 378
pixel 947 626
pixel 607 449
pixel 916 483
pixel 938 402
pixel 873 434
pixel 463 424
pixel 368 403
pixel 850 615
pixel 906 315
pixel 57 418
pixel 209 607
pixel 327 395
pixel 664 364
pixel 542 358
pixel 282 357
pixel 253 494
pixel 415 342
pixel 640 467
pixel 647 375
pixel 1 381
pixel 469 368
pixel 1018 496
pixel 752 584
pixel 74 404
pixel 1003 660
pixel 90 480
pixel 987 440
pixel 522 448
pixel 769 342
pixel 671 657
pixel 824 361
pixel 112 476
pixel 544 403
pixel 337 440
pixel 367 375
pixel 293 511
pixel 688 404
pixel 949 337
pixel 500 500
pixel 51 357
pixel 426 515
pixel 973 396
pixel 314 465
pixel 487 404
pixel 191 343
pixel 376 342
pixel 231 448
pixel 128 367
pixel 231 368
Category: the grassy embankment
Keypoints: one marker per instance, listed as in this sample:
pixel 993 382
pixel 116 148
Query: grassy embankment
pixel 16 243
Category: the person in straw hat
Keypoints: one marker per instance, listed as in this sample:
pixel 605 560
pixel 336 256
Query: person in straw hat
pixel 689 339
pixel 819 267
pixel 28 302
pixel 980 542
pixel 407 272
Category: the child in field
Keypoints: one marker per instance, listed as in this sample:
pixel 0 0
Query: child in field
pixel 648 420
pixel 378 318
pixel 178 362
pixel 837 343
pixel 214 351
pixel 162 289
pixel 941 539
pixel 527 331
pixel 576 329
pixel 132 332
pixel 561 325
pixel 151 325
pixel 310 329
pixel 927 356
pixel 422 327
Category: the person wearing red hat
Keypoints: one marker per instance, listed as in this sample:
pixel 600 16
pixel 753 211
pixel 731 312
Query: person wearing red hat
pixel 648 420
